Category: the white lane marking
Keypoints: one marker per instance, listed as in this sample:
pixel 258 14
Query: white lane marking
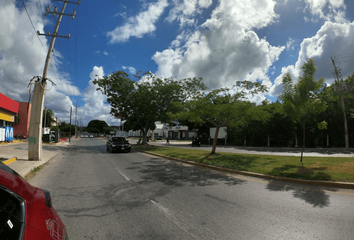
pixel 126 178
pixel 173 219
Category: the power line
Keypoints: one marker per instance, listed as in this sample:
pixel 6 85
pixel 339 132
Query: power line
pixel 344 54
pixel 40 7
pixel 29 17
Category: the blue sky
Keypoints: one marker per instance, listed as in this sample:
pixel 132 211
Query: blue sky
pixel 222 41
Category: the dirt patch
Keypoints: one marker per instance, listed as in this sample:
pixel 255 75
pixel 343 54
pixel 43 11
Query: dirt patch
pixel 344 167
pixel 309 170
pixel 316 165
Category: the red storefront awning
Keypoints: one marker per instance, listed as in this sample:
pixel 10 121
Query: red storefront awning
pixel 8 104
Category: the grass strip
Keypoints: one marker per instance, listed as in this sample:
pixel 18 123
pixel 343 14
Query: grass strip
pixel 339 169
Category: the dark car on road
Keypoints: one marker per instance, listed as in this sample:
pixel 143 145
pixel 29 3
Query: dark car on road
pixel 26 212
pixel 118 144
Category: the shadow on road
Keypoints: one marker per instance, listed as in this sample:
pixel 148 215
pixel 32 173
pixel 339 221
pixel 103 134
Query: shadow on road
pixel 174 174
pixel 301 172
pixel 316 197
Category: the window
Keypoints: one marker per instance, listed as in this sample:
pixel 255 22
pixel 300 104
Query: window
pixel 11 215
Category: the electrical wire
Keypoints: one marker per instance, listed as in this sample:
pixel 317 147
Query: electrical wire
pixel 29 17
pixel 40 7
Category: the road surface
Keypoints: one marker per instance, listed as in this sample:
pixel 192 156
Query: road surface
pixel 100 195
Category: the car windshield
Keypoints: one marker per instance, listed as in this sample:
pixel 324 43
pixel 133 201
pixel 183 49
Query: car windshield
pixel 118 139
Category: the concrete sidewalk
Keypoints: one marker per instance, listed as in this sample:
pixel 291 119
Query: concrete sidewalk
pixel 17 155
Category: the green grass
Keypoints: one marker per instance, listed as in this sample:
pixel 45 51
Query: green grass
pixel 3 159
pixel 314 168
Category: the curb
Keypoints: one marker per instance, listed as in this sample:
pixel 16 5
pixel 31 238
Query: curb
pixel 9 161
pixel 259 175
pixel 25 173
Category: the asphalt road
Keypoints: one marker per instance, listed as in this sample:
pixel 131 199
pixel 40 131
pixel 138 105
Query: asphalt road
pixel 100 195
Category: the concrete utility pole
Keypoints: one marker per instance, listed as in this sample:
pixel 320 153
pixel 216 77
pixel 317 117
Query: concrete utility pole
pixel 340 81
pixel 76 122
pixel 71 110
pixel 35 131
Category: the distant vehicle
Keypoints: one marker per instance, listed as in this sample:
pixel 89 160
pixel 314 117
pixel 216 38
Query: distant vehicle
pixel 158 137
pixel 26 211
pixel 91 136
pixel 118 144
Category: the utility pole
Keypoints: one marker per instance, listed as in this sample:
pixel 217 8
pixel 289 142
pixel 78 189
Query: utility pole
pixel 340 82
pixel 35 131
pixel 71 109
pixel 76 122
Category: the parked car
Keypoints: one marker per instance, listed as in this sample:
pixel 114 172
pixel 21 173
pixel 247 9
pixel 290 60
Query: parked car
pixel 118 144
pixel 26 212
pixel 158 138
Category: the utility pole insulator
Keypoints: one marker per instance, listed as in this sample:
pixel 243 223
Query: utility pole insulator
pixel 74 14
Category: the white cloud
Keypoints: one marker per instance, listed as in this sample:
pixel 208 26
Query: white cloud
pixel 22 56
pixel 329 10
pixel 333 39
pixel 132 70
pixel 185 11
pixel 140 25
pixel 224 49
pixel 290 44
pixel 19 60
pixel 95 106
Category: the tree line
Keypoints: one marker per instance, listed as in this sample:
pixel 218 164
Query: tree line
pixel 308 113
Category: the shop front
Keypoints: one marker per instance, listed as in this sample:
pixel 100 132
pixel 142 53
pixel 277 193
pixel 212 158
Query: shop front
pixel 8 111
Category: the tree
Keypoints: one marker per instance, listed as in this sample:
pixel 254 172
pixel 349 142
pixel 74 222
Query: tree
pixel 221 106
pixel 302 99
pixel 334 111
pixel 147 100
pixel 96 126
pixel 47 118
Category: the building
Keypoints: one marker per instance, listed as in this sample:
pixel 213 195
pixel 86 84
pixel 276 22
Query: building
pixel 22 127
pixel 8 111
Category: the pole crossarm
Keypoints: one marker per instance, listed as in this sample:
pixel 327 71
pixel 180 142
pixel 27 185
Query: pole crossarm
pixel 53 35
pixel 78 2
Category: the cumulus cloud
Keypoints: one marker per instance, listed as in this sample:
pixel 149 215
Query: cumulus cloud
pixel 143 23
pixel 96 106
pixel 131 70
pixel 290 44
pixel 329 10
pixel 331 39
pixel 225 48
pixel 185 11
pixel 22 56
pixel 19 60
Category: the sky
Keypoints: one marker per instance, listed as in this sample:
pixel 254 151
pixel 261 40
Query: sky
pixel 222 41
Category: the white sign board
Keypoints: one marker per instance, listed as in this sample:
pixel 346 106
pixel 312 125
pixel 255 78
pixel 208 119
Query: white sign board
pixel 2 134
pixel 221 135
